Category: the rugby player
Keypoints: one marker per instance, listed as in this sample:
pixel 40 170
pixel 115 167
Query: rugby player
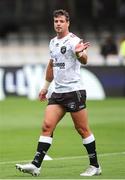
pixel 67 53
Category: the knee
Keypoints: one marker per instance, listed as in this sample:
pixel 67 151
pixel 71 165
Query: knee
pixel 83 131
pixel 46 127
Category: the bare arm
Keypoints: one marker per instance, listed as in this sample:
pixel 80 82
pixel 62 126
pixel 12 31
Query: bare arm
pixel 49 72
pixel 80 52
pixel 48 79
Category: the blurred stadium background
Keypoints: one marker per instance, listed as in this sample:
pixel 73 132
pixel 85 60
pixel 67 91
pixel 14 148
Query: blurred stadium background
pixel 27 26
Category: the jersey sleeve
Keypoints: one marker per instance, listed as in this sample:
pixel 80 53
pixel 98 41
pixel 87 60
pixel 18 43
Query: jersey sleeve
pixel 50 50
pixel 74 41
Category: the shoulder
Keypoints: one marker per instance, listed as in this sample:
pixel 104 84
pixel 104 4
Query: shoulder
pixel 52 41
pixel 73 36
pixel 74 39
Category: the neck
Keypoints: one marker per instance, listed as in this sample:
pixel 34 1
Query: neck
pixel 61 35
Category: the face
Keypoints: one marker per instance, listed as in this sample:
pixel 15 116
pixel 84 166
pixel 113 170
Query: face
pixel 60 24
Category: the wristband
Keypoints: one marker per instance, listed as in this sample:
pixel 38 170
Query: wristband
pixel 79 54
pixel 46 85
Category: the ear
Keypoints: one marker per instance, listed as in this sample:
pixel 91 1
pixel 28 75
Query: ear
pixel 68 23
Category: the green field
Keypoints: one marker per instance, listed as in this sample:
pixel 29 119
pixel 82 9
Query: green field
pixel 20 121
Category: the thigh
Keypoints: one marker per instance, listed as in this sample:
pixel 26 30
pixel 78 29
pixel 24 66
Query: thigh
pixel 53 114
pixel 80 119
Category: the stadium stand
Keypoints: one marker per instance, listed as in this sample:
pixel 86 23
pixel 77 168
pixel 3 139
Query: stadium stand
pixel 26 28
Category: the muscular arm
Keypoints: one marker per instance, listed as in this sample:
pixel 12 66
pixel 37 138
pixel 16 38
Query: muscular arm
pixel 48 79
pixel 49 72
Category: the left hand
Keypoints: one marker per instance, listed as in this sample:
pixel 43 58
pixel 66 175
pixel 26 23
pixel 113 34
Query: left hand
pixel 81 47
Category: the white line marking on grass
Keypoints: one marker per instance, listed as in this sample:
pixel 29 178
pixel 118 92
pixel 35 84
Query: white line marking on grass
pixel 55 179
pixel 101 155
pixel 65 158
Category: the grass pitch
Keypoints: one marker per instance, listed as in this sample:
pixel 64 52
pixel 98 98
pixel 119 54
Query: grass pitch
pixel 20 121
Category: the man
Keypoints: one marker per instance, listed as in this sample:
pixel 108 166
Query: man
pixel 67 53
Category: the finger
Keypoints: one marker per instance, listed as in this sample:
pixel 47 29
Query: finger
pixel 87 44
pixel 43 99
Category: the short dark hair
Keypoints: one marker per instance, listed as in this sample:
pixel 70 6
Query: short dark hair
pixel 61 12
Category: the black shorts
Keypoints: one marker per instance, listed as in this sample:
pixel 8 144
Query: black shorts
pixel 71 101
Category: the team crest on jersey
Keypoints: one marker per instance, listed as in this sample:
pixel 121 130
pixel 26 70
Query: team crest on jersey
pixel 57 44
pixel 63 49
